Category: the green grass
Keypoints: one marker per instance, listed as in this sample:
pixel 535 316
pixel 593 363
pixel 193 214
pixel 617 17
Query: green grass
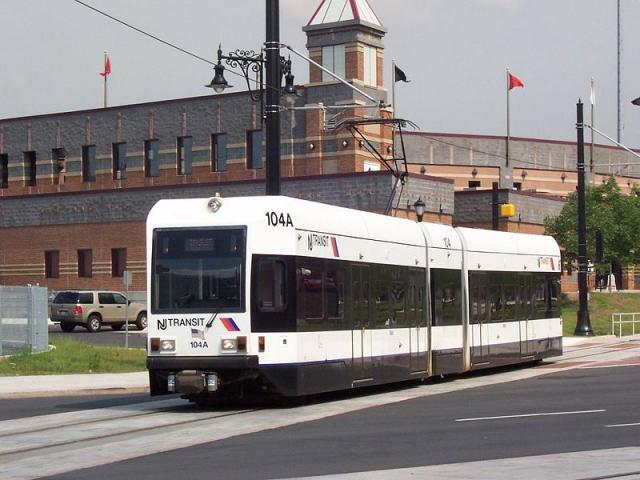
pixel 74 357
pixel 601 306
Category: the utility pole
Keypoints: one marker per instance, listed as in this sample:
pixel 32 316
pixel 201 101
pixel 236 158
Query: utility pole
pixel 272 107
pixel 495 207
pixel 583 324
pixel 620 127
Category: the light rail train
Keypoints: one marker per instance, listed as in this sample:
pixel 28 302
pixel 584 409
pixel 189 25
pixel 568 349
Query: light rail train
pixel 258 295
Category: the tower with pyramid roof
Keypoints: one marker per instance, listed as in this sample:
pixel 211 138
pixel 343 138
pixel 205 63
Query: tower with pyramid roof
pixel 344 36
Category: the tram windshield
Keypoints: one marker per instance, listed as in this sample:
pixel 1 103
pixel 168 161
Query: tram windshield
pixel 198 270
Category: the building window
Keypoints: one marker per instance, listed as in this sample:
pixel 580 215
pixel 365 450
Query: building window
pixel 58 157
pixel 4 170
pixel 517 185
pixel 89 163
pixel 474 183
pixel 184 155
pixel 85 263
pixel 218 152
pixel 333 58
pixel 52 264
pixel 29 169
pixel 254 149
pixel 119 155
pixel 118 261
pixel 151 165
pixel 370 66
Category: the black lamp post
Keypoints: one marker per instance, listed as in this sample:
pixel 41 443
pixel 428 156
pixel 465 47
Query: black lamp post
pixel 419 206
pixel 583 324
pixel 275 66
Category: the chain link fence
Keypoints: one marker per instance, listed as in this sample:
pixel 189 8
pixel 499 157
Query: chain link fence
pixel 23 319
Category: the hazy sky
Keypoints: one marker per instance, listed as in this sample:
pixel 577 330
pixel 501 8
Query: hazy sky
pixel 454 51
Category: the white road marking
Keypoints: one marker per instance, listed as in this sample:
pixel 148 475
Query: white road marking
pixel 542 414
pixel 623 425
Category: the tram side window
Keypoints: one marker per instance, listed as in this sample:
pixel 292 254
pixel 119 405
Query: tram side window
pixel 510 298
pixel 420 299
pixel 496 303
pixel 398 297
pixel 524 298
pixel 538 296
pixel 334 284
pixel 383 317
pixel 310 273
pixel 553 295
pixel 477 299
pixel 272 289
pixel 446 297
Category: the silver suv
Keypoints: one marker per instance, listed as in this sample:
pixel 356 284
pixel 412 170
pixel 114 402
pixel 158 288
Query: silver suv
pixel 94 308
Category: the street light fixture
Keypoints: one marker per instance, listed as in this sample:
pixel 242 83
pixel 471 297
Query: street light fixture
pixel 250 62
pixel 219 83
pixel 419 206
pixel 636 101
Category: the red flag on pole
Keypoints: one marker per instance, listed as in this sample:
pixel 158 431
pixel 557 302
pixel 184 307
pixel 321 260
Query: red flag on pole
pixel 107 67
pixel 515 81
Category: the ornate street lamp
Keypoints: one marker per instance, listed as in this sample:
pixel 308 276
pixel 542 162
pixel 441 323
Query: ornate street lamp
pixel 274 67
pixel 250 62
pixel 419 206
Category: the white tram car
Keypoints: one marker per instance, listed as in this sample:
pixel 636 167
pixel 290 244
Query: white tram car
pixel 275 294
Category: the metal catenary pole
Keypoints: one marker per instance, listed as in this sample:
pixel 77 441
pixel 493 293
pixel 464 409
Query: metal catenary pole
pixel 583 324
pixel 272 109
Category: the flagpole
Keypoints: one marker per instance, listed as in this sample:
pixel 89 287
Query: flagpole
pixel 104 63
pixel 508 123
pixel 393 104
pixel 593 123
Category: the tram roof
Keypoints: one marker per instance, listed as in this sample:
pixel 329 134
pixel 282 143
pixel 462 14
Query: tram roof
pixel 491 241
pixel 306 215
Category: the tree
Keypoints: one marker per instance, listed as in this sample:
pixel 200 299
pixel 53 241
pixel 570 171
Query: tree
pixel 607 209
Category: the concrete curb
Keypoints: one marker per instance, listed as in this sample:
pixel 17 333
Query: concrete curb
pixel 76 393
pixel 73 384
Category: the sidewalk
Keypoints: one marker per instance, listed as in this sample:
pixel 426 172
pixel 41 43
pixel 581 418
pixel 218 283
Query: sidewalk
pixel 59 385
pixel 138 382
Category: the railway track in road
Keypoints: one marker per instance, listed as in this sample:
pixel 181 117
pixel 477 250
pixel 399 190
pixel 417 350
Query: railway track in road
pixel 19 437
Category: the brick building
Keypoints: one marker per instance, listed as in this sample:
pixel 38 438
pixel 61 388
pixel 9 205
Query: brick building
pixel 75 187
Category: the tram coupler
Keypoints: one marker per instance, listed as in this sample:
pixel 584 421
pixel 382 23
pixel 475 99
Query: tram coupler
pixel 192 382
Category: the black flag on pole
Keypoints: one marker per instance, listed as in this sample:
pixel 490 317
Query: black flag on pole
pixel 400 76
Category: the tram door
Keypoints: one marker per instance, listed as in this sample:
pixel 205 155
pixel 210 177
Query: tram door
pixel 417 321
pixel 524 314
pixel 361 330
pixel 480 325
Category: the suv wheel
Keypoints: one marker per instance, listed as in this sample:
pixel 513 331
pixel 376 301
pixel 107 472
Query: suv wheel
pixel 141 321
pixel 67 326
pixel 94 323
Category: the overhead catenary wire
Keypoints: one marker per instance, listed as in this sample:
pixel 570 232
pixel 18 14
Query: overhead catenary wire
pixel 154 37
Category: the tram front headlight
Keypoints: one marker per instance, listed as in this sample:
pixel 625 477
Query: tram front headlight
pixel 229 345
pixel 167 345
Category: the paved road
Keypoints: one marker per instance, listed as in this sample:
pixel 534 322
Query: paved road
pixel 106 336
pixel 31 407
pixel 592 409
